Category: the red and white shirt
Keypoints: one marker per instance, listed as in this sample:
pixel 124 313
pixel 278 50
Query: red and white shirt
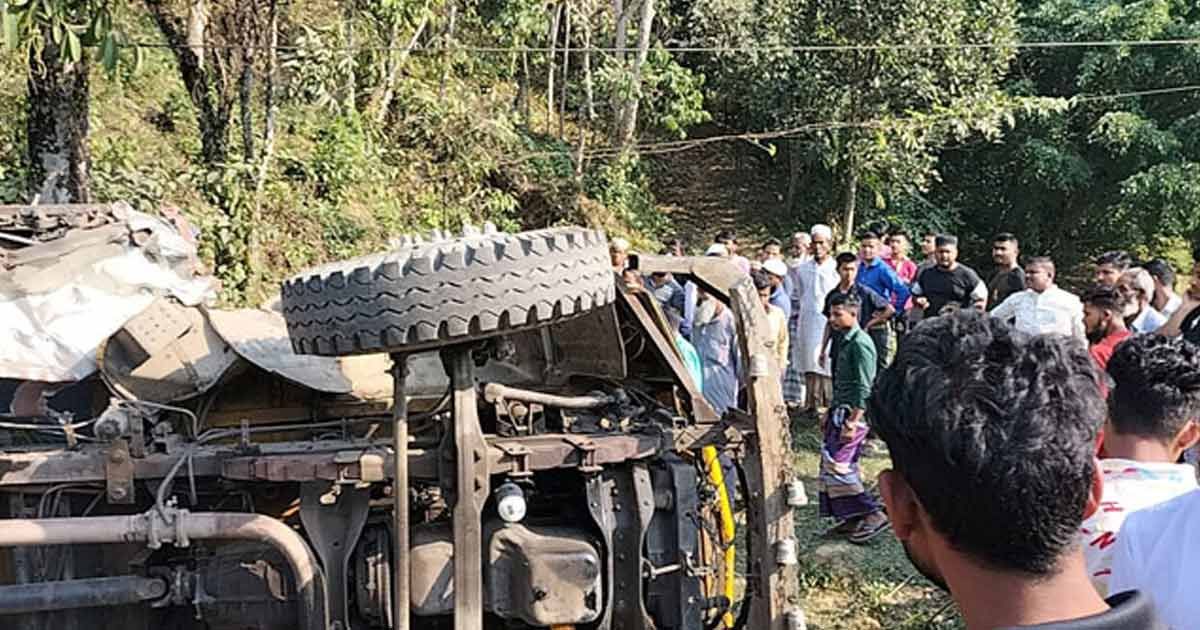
pixel 1128 486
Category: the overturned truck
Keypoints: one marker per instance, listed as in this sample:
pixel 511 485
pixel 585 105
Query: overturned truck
pixel 483 430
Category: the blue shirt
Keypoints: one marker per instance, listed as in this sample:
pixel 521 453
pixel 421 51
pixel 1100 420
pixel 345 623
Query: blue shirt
pixel 782 298
pixel 882 279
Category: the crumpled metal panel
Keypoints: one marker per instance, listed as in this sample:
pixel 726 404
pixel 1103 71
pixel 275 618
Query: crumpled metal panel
pixel 166 353
pixel 260 337
pixel 71 276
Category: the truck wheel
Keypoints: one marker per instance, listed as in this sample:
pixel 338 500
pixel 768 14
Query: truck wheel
pixel 425 295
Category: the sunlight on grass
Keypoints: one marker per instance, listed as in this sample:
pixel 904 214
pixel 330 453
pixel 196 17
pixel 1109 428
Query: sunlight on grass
pixel 848 587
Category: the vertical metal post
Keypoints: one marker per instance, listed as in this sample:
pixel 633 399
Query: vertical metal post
pixel 471 486
pixel 401 556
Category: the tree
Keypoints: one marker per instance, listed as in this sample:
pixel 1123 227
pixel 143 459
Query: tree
pixel 53 36
pixel 892 108
pixel 1098 172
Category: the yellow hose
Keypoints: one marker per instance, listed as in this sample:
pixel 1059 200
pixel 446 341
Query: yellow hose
pixel 728 530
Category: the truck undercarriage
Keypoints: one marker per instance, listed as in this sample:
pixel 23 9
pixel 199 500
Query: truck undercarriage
pixel 311 463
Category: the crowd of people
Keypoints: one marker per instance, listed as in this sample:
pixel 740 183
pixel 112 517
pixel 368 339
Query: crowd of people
pixel 1043 443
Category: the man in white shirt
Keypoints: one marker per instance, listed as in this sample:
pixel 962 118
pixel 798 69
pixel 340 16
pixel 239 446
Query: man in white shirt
pixel 1042 308
pixel 1166 300
pixel 815 278
pixel 1152 419
pixel 1138 288
pixel 1158 550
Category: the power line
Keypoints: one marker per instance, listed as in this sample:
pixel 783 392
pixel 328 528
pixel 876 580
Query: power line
pixel 802 48
pixel 675 146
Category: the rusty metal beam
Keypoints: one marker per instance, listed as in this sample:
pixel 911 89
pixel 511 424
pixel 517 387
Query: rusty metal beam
pixel 401 555
pixel 471 477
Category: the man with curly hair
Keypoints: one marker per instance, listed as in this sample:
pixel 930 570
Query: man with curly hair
pixel 1153 411
pixel 992 437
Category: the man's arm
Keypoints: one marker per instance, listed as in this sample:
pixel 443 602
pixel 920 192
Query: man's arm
pixel 824 356
pixel 881 315
pixel 899 291
pixel 862 370
pixel 1174 325
pixel 1007 309
pixel 918 293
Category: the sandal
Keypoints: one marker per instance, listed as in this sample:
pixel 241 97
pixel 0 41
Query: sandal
pixel 866 531
pixel 846 527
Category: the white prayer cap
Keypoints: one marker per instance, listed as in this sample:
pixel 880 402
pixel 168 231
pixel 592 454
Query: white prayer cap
pixel 717 249
pixel 803 236
pixel 822 230
pixel 618 245
pixel 775 267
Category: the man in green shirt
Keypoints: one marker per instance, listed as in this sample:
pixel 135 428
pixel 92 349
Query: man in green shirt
pixel 842 494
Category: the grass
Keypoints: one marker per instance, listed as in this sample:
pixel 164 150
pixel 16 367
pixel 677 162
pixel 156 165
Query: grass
pixel 849 587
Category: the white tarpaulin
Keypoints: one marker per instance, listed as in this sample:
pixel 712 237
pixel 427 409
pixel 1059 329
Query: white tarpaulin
pixel 54 312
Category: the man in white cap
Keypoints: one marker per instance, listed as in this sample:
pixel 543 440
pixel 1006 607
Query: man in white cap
pixel 778 271
pixel 807 382
pixel 691 294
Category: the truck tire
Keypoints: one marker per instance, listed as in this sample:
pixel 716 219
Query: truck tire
pixel 434 294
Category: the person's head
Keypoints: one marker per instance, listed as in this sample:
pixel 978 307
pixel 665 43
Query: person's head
pixel 1110 266
pixel 1163 274
pixel 822 241
pixel 771 249
pixel 718 250
pixel 776 270
pixel 1156 392
pixel 728 239
pixel 1137 288
pixel 992 436
pixel 847 267
pixel 1005 250
pixel 843 311
pixel 660 278
pixel 801 243
pixel 1039 273
pixel 868 246
pixel 763 284
pixel 618 253
pixel 674 247
pixel 946 252
pixel 898 241
pixel 929 244
pixel 1103 312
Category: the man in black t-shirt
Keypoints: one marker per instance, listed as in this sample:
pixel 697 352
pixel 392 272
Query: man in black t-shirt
pixel 948 282
pixel 1009 278
pixel 873 313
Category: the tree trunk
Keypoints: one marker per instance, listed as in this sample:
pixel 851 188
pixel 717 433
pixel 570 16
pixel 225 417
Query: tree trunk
pixel 850 203
pixel 254 263
pixel 588 92
pixel 555 18
pixel 620 42
pixel 57 128
pixel 387 91
pixel 794 163
pixel 349 97
pixel 629 110
pixel 246 85
pixel 447 41
pixel 204 82
pixel 524 90
pixel 562 100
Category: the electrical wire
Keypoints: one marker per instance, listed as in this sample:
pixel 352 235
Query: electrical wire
pixel 799 48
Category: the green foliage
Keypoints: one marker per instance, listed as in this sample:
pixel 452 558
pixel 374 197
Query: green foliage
pixel 623 186
pixel 71 26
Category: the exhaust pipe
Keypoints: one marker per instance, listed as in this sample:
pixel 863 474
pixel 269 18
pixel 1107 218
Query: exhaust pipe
pixel 35 597
pixel 179 527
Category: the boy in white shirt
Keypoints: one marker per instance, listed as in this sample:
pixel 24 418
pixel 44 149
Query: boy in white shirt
pixel 1152 419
